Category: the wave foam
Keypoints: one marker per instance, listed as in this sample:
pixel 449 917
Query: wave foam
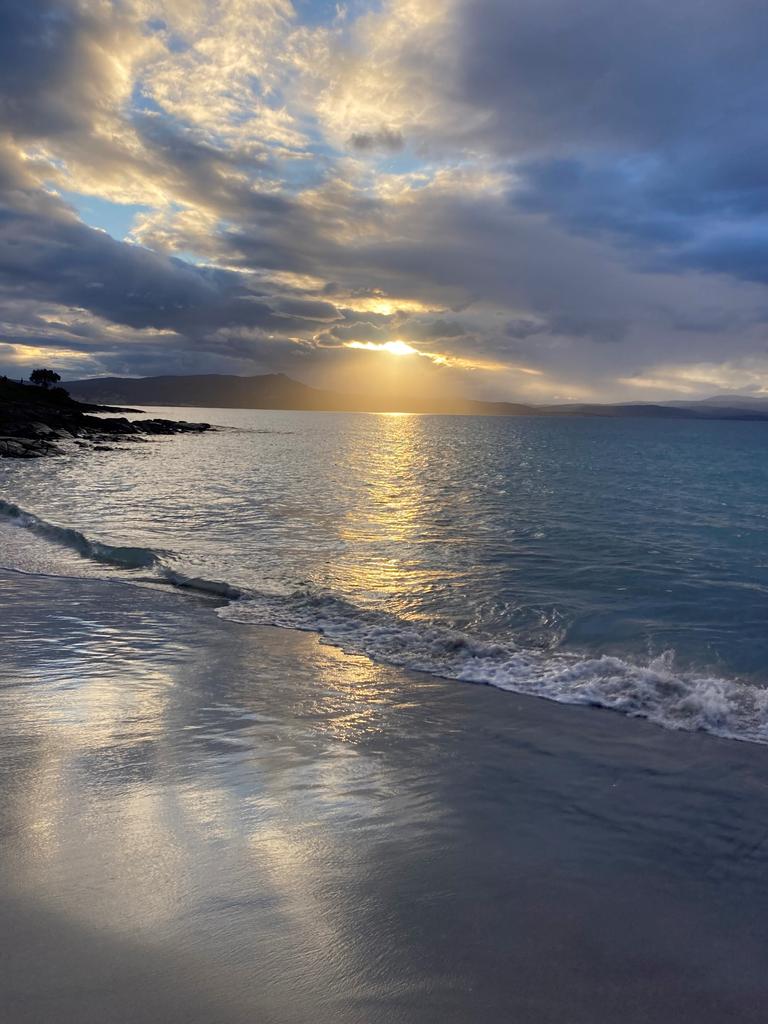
pixel 676 700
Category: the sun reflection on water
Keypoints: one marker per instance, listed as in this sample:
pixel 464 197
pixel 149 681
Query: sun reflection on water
pixel 389 518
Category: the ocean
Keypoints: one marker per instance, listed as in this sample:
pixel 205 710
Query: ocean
pixel 621 563
pixel 245 776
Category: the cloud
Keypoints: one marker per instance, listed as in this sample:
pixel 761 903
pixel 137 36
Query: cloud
pixel 572 189
pixel 61 67
pixel 748 375
pixel 384 138
pixel 633 122
pixel 639 77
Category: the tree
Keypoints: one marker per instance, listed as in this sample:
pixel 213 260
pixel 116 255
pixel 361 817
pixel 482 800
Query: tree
pixel 44 378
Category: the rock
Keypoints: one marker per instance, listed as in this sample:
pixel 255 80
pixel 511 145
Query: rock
pixel 22 448
pixel 12 448
pixel 158 426
pixel 40 430
pixel 119 425
pixel 31 420
pixel 26 448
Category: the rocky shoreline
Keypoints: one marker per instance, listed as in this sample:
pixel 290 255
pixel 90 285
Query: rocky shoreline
pixel 34 422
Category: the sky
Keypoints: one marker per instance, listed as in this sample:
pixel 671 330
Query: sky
pixel 534 200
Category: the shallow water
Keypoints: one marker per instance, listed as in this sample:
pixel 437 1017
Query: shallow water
pixel 615 562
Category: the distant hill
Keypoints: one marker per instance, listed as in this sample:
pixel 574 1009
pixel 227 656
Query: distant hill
pixel 276 391
pixel 267 391
pixel 754 403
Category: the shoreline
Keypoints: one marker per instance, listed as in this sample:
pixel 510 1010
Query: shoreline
pixel 266 827
pixel 655 691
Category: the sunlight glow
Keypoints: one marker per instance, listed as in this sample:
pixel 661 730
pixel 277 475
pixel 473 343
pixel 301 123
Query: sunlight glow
pixel 24 354
pixel 388 306
pixel 402 348
pixel 394 348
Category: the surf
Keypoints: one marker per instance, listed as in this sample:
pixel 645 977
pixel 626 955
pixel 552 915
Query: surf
pixel 657 690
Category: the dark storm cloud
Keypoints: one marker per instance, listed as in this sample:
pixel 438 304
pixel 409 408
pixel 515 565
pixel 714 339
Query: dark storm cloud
pixel 433 329
pixel 41 46
pixel 61 260
pixel 743 254
pixel 308 309
pixel 207 174
pixel 643 123
pixel 477 248
pixel 522 328
pixel 604 199
pixel 362 331
pixel 595 327
pixel 673 217
pixel 555 75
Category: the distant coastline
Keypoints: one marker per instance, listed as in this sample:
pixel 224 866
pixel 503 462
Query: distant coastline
pixel 277 391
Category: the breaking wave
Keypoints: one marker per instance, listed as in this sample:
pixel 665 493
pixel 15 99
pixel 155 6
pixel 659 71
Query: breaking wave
pixel 130 558
pixel 675 699
pixel 657 691
pixel 125 557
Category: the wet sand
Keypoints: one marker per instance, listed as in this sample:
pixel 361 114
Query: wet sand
pixel 210 822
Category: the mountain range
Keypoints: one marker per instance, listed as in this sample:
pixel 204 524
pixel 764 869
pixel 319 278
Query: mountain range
pixel 277 391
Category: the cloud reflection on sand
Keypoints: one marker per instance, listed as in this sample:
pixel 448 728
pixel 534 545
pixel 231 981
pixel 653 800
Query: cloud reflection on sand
pixel 229 823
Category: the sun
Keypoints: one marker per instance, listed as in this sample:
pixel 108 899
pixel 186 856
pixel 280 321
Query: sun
pixel 399 348
pixel 393 348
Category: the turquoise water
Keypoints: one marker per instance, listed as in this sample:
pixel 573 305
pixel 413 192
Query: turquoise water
pixel 617 562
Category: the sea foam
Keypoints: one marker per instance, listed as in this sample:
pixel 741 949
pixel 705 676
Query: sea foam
pixel 657 691
pixel 674 699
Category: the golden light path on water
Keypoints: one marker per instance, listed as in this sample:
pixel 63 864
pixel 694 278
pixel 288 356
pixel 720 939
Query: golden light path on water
pixel 391 517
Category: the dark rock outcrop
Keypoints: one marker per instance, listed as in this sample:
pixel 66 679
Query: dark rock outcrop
pixel 34 422
pixel 26 448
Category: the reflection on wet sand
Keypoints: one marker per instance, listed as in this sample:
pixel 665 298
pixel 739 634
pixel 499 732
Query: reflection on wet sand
pixel 205 821
pixel 156 801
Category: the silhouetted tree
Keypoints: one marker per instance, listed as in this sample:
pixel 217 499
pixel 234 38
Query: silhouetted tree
pixel 44 377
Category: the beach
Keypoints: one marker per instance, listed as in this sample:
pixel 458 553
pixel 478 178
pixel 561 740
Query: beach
pixel 383 512
pixel 214 821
